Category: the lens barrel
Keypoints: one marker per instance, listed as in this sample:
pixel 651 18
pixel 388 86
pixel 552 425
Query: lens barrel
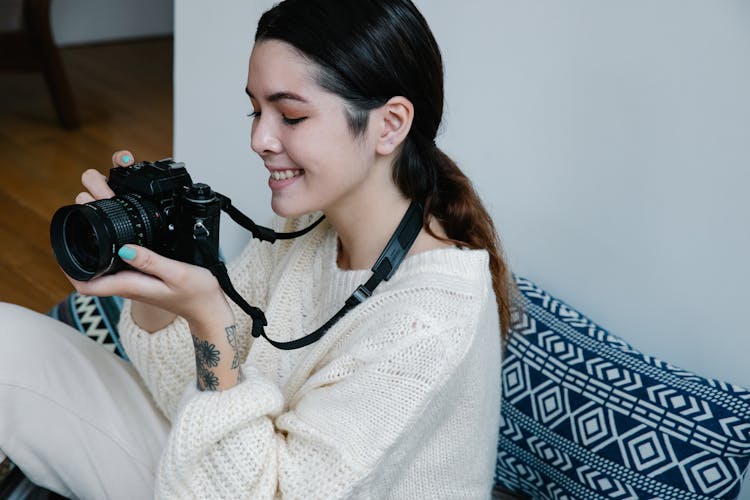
pixel 85 238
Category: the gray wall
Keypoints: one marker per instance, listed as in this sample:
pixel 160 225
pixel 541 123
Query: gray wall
pixel 609 139
pixel 86 21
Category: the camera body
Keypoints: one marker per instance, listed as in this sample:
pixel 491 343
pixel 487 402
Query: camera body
pixel 156 205
pixel 180 207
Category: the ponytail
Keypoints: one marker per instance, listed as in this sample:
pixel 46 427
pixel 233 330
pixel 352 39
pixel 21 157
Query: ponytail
pixel 423 172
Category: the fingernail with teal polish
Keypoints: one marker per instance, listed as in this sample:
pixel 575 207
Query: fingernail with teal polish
pixel 126 158
pixel 126 253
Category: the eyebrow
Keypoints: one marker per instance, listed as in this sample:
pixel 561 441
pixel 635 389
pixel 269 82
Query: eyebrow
pixel 280 96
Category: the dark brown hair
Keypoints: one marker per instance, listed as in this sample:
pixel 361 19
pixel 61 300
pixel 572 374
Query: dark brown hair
pixel 369 51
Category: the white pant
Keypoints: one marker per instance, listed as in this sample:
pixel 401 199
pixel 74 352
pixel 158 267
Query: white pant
pixel 75 418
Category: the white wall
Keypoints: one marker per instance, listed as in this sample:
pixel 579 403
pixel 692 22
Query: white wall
pixel 609 139
pixel 211 127
pixel 85 21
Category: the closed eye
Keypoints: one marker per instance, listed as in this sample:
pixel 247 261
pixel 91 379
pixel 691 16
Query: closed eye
pixel 287 120
pixel 293 121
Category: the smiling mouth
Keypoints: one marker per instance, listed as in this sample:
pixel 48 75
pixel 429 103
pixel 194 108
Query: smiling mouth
pixel 280 175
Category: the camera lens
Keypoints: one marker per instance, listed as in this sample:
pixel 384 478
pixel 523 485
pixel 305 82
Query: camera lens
pixel 82 241
pixel 85 238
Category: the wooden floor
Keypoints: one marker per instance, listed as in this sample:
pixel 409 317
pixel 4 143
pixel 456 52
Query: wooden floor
pixel 124 97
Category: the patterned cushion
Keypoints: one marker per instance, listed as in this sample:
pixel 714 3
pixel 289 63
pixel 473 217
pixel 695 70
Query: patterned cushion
pixel 585 415
pixel 95 317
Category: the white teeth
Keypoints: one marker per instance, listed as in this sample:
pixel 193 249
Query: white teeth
pixel 280 175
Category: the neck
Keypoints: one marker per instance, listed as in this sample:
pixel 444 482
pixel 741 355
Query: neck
pixel 364 228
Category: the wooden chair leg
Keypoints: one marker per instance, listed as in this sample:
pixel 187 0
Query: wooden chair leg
pixel 38 20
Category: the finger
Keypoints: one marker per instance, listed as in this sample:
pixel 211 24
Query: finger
pixel 84 198
pixel 126 284
pixel 149 262
pixel 122 158
pixel 96 183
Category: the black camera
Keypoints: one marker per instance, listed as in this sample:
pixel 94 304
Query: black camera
pixel 156 205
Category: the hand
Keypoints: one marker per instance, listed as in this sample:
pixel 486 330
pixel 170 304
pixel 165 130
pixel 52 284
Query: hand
pixel 182 289
pixel 189 291
pixel 148 317
pixel 162 288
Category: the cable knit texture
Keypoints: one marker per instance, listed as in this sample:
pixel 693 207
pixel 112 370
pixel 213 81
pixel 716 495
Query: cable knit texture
pixel 399 400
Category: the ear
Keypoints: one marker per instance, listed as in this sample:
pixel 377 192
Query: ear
pixel 395 118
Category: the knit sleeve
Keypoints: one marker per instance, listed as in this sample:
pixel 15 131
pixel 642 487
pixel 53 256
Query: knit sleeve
pixel 165 359
pixel 345 433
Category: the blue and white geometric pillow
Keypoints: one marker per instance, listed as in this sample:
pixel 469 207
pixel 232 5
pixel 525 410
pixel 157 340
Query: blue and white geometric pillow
pixel 95 317
pixel 584 416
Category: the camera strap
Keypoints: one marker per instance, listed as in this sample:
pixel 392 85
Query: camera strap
pixel 260 232
pixel 394 253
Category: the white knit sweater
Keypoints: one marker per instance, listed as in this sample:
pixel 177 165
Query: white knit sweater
pixel 399 400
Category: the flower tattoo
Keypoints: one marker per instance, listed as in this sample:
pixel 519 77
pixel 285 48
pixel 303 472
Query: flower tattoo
pixel 208 381
pixel 206 356
pixel 208 353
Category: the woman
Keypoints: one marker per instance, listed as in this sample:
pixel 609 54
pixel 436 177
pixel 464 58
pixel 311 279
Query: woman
pixel 399 399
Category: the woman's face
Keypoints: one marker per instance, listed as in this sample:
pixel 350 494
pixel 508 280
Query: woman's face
pixel 301 132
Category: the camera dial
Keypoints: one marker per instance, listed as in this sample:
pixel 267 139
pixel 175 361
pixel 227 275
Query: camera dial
pixel 200 192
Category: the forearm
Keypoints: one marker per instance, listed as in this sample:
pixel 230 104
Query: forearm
pixel 216 357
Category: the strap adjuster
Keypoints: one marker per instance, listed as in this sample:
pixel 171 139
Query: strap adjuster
pixel 200 231
pixel 360 295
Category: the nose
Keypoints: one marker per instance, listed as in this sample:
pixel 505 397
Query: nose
pixel 264 138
